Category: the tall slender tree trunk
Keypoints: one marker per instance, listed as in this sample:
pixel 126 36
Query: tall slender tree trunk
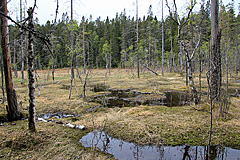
pixel 84 57
pixel 2 76
pixel 181 57
pixel 215 61
pixel 14 59
pixel 171 58
pixel 200 68
pixel 22 51
pixel 72 65
pixel 31 81
pixel 149 43
pixel 162 42
pixel 12 108
pixel 236 54
pixel 137 40
pixel 155 53
pixel 216 75
pixel 53 61
pixel 227 67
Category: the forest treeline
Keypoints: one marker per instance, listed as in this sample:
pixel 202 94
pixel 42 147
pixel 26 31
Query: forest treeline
pixel 112 42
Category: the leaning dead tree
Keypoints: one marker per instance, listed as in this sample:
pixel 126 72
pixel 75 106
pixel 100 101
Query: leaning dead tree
pixel 12 107
pixel 189 53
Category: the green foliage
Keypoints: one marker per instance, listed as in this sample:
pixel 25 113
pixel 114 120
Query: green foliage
pixel 117 36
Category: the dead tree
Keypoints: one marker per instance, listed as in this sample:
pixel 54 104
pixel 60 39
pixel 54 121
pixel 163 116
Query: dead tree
pixel 12 107
pixel 84 56
pixel 137 40
pixel 189 55
pixel 162 42
pixel 215 64
pixel 31 82
pixel 214 74
pixel 72 53
pixel 2 79
pixel 22 51
pixel 14 58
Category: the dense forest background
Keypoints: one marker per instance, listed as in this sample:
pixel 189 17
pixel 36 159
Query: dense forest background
pixel 112 42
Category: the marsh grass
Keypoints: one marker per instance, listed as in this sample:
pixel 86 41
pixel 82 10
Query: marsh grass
pixel 142 124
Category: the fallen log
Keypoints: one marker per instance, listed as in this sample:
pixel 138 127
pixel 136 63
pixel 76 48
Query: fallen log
pixel 151 70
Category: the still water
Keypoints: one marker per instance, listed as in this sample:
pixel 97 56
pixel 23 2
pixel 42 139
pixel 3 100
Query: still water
pixel 129 151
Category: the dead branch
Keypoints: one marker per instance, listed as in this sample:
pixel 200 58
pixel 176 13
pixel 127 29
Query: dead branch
pixel 202 110
pixel 151 70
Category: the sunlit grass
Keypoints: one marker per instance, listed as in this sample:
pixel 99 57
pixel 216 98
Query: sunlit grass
pixel 141 124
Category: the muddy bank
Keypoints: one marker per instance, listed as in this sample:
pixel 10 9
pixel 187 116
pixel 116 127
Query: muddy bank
pixel 131 97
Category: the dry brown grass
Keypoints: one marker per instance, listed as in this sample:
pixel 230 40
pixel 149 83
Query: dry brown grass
pixel 141 124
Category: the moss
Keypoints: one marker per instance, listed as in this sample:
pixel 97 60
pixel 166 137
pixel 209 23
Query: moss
pixel 140 124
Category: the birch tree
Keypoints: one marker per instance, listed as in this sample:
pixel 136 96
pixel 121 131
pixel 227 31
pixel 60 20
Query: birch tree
pixel 189 54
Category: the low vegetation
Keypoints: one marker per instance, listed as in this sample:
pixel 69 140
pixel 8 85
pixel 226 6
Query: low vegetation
pixel 142 124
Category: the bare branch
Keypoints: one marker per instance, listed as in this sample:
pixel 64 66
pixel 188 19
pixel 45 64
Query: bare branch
pixel 55 21
pixel 200 110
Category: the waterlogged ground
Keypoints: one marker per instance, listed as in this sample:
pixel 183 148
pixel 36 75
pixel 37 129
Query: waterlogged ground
pixel 125 150
pixel 152 110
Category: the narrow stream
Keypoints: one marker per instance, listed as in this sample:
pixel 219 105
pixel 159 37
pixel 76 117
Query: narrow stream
pixel 129 151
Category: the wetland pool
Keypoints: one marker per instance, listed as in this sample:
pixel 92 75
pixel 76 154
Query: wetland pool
pixel 123 150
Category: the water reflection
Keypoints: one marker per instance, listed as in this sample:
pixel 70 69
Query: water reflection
pixel 129 151
pixel 130 98
pixel 176 99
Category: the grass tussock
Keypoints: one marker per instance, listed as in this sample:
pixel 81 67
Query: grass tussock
pixel 141 124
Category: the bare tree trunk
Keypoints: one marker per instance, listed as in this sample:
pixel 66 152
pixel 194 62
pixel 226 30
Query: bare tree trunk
pixel 110 64
pixel 190 77
pixel 84 57
pixel 53 62
pixel 162 42
pixel 200 62
pixel 22 60
pixel 107 63
pixel 216 75
pixel 171 58
pixel 200 70
pixel 186 66
pixel 155 53
pixel 12 108
pixel 14 58
pixel 22 52
pixel 53 70
pixel 227 67
pixel 72 68
pixel 236 55
pixel 149 44
pixel 186 70
pixel 181 58
pixel 31 81
pixel 137 40
pixel 215 64
pixel 2 75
